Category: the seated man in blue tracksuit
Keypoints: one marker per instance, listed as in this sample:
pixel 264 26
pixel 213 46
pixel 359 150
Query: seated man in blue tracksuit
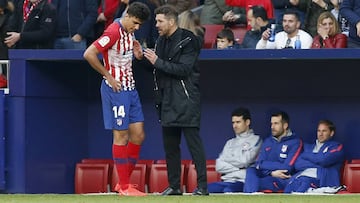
pixel 277 157
pixel 319 164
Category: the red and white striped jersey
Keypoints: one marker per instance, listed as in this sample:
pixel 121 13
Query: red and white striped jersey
pixel 116 46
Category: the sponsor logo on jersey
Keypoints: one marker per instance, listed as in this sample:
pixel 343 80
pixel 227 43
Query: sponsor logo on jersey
pixel 284 148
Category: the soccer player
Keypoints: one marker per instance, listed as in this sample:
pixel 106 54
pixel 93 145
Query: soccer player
pixel 122 110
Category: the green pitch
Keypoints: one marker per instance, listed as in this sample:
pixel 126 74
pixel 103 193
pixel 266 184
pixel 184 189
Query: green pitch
pixel 258 198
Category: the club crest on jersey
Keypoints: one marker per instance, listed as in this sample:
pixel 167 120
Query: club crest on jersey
pixel 284 148
pixel 104 41
pixel 325 150
pixel 245 146
pixel 119 122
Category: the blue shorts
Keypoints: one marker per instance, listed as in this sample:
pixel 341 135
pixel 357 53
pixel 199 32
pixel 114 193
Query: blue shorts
pixel 120 108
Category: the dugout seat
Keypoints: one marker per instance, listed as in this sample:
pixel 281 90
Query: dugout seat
pixel 351 177
pixel 158 180
pixel 101 161
pixel 138 177
pixel 148 163
pixel 210 162
pixel 91 178
pixel 191 180
pixel 186 163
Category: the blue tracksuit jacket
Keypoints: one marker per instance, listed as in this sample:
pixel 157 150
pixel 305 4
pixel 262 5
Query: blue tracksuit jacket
pixel 274 155
pixel 327 161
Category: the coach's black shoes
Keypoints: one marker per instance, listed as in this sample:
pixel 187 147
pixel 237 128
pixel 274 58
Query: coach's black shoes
pixel 200 191
pixel 170 191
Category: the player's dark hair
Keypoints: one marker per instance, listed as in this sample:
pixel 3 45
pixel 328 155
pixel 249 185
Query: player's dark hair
pixel 139 10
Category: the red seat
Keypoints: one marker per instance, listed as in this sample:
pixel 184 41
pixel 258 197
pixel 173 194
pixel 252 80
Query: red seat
pixel 191 180
pixel 351 177
pixel 160 161
pixel 211 32
pixel 210 162
pixel 149 163
pixel 91 178
pixel 355 161
pixel 158 180
pixel 239 32
pixel 186 163
pixel 101 161
pixel 138 177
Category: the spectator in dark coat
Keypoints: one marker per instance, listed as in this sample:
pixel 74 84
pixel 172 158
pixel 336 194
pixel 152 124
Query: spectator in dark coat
pixel 76 20
pixel 32 28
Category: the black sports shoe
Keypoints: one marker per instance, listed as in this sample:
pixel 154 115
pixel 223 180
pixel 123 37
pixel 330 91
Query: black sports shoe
pixel 170 191
pixel 200 191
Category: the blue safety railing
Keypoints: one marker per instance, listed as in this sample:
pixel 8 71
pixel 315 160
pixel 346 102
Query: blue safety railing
pixel 2 140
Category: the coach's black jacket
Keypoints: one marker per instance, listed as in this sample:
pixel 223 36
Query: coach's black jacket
pixel 177 78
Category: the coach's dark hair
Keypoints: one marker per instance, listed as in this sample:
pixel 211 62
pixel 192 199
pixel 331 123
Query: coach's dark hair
pixel 169 11
pixel 139 10
pixel 241 111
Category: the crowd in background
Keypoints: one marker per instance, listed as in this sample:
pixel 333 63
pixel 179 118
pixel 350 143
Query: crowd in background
pixel 65 24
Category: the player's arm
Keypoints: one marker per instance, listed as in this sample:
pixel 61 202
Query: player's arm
pixel 91 55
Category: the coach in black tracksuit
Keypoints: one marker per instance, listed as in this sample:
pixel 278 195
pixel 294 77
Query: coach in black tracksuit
pixel 178 96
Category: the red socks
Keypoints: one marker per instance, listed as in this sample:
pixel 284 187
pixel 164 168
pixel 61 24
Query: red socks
pixel 125 157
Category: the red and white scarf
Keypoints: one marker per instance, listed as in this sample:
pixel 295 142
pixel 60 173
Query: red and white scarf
pixel 27 8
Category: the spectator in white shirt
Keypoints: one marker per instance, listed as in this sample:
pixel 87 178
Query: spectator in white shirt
pixel 286 38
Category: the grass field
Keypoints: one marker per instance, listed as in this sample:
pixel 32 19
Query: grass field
pixel 239 198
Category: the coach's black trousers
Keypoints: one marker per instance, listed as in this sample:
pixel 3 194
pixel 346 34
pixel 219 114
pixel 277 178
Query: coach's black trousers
pixel 171 141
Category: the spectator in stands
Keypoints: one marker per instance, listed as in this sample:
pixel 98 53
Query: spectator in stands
pixel 313 11
pixel 329 33
pixel 225 39
pixel 237 155
pixel 217 12
pixel 258 21
pixel 235 16
pixel 6 9
pixel 350 10
pixel 182 5
pixel 267 4
pixel 280 6
pixel 32 25
pixel 275 163
pixel 106 12
pixel 335 11
pixel 190 21
pixel 319 164
pixel 122 111
pixel 286 38
pixel 147 34
pixel 76 20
